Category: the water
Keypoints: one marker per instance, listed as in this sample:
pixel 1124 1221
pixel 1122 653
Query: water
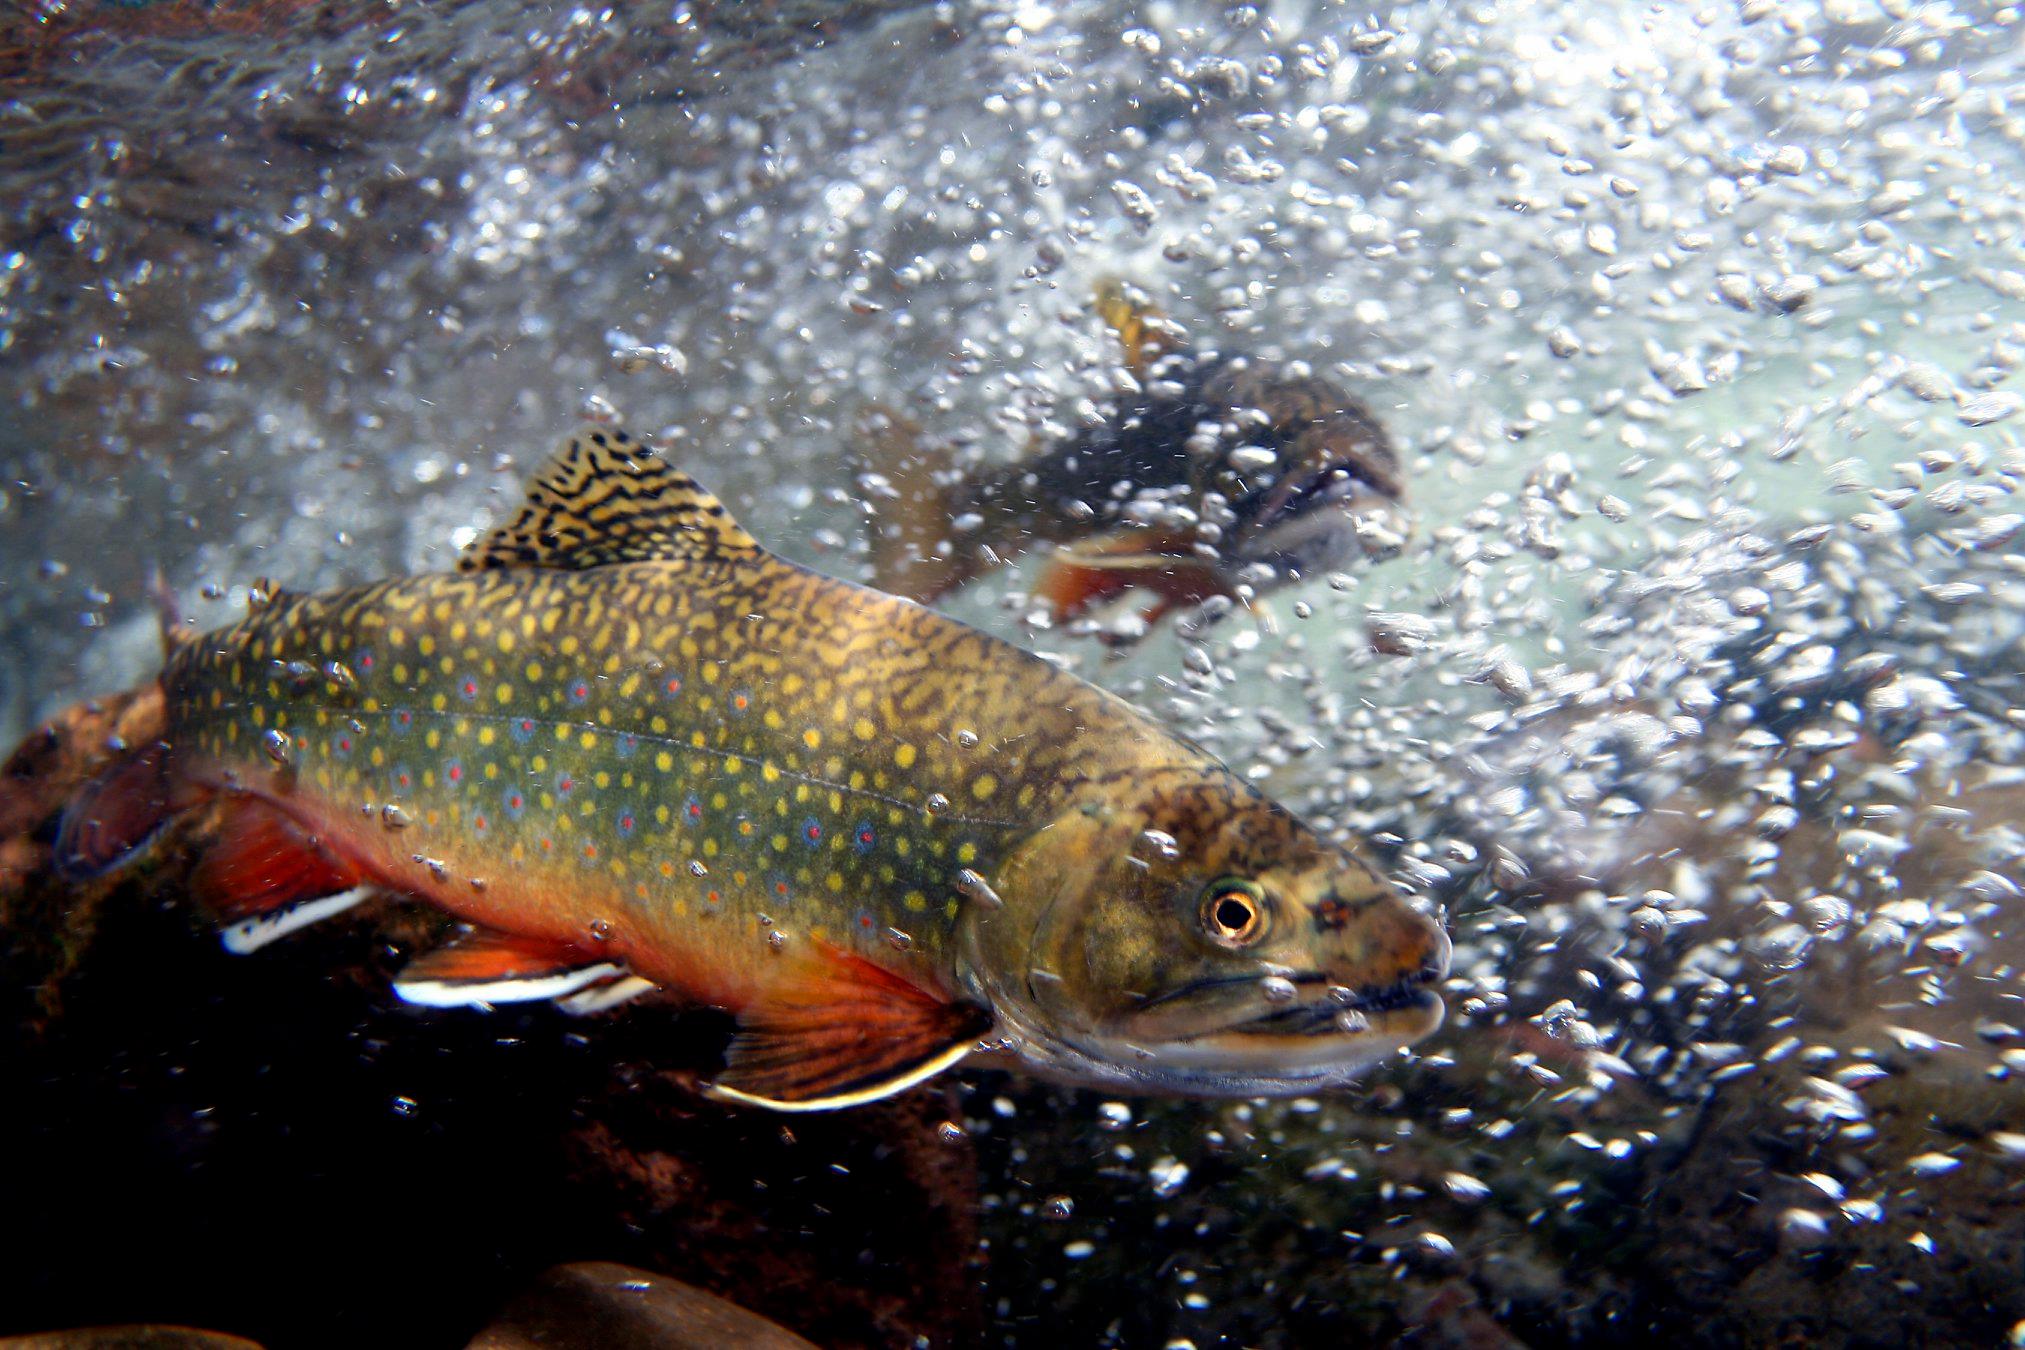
pixel 1694 697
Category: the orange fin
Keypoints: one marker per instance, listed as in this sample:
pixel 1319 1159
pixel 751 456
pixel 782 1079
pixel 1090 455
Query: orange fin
pixel 117 815
pixel 843 1031
pixel 1093 572
pixel 260 862
pixel 488 966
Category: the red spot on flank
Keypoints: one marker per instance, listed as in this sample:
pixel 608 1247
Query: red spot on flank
pixel 590 850
pixel 674 685
pixel 455 773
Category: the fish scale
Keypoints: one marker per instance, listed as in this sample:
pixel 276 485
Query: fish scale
pixel 635 752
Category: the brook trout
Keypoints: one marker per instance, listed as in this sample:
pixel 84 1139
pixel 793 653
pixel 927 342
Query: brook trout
pixel 639 755
pixel 1222 475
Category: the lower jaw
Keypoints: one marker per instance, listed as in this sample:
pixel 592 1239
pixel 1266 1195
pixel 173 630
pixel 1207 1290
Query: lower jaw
pixel 1237 1064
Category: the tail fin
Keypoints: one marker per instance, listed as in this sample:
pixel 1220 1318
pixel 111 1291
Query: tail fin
pixel 117 814
pixel 904 482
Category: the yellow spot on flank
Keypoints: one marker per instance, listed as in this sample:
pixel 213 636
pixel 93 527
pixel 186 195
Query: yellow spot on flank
pixel 504 694
pixel 813 739
pixel 589 741
pixel 915 901
pixel 533 672
pixel 426 645
pixel 863 729
pixel 834 881
pixel 903 755
pixel 486 735
pixel 983 786
pixel 434 739
pixel 966 853
pixel 505 641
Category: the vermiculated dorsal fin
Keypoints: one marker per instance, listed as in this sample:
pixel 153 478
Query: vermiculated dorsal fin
pixel 606 498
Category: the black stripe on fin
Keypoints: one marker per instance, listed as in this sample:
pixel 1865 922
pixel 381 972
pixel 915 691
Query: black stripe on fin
pixel 607 498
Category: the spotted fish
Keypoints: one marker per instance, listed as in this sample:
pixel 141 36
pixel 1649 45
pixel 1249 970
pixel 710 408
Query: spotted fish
pixel 636 754
pixel 1221 475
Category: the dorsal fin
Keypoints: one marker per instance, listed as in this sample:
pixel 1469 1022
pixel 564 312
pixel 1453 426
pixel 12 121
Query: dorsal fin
pixel 606 498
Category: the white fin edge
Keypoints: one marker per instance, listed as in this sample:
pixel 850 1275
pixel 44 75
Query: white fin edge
pixel 469 993
pixel 921 1073
pixel 250 935
pixel 600 997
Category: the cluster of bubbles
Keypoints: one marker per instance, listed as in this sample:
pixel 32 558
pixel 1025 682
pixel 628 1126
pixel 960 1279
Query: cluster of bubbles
pixel 1694 695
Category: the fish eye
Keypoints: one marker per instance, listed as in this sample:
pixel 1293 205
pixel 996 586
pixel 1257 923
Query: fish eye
pixel 1234 912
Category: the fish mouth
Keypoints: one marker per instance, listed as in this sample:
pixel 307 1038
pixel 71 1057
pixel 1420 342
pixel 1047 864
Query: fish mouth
pixel 1225 1037
pixel 1315 522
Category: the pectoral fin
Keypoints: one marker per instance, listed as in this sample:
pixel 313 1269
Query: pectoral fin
pixel 842 1031
pixel 1091 573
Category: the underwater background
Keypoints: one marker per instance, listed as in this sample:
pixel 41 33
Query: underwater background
pixel 1694 698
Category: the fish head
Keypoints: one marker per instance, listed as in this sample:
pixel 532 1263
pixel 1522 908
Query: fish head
pixel 1198 939
pixel 1313 488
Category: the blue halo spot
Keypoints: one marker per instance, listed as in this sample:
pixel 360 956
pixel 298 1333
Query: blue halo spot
pixel 453 774
pixel 740 702
pixel 778 891
pixel 864 924
pixel 626 822
pixel 522 729
pixel 467 688
pixel 863 836
pixel 342 745
pixel 514 802
pixel 401 721
pixel 566 782
pixel 401 778
pixel 363 661
pixel 671 686
pixel 812 832
pixel 626 744
pixel 578 691
pixel 692 812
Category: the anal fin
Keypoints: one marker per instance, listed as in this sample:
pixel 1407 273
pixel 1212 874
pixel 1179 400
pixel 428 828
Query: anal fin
pixel 842 1031
pixel 485 966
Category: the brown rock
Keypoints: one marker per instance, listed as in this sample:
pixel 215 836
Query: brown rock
pixel 600 1305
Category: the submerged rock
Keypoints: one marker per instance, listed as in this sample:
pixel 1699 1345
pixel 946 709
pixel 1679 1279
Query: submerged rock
pixel 600 1305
